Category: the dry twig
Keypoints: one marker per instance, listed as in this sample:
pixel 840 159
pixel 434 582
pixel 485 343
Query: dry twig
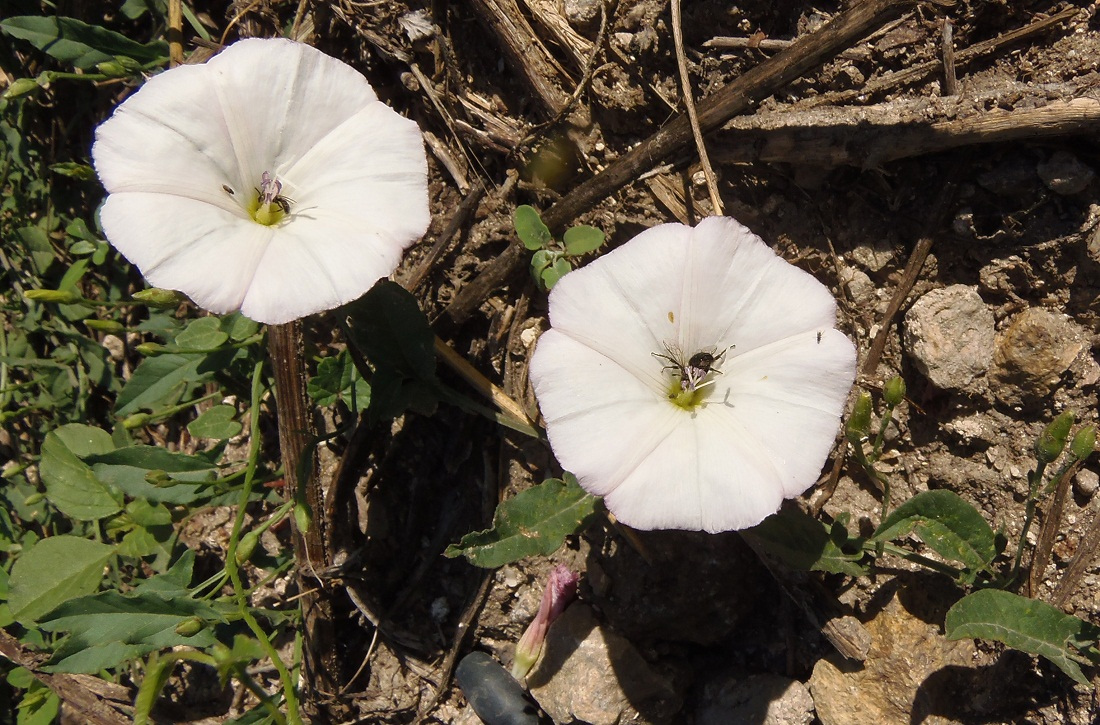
pixel 689 104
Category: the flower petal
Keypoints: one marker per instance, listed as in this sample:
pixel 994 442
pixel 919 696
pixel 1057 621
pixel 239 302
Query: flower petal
pixel 212 257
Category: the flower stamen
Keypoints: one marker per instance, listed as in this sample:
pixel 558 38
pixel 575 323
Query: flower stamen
pixel 686 387
pixel 270 206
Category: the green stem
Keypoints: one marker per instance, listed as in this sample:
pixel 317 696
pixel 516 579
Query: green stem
pixel 924 561
pixel 1034 479
pixel 239 593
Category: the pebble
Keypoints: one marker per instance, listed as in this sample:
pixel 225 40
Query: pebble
pixel 1065 174
pixel 767 699
pixel 1032 353
pixel 493 693
pixel 949 333
pixel 583 15
pixel 1086 483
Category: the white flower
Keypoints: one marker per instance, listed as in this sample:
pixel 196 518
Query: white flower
pixel 270 179
pixel 692 378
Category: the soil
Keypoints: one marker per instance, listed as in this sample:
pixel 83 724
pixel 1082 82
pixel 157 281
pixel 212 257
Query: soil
pixel 1010 229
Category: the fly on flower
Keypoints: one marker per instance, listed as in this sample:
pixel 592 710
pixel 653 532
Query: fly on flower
pixel 693 370
pixel 270 193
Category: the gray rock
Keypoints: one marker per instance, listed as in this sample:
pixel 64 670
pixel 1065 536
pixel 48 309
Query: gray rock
pixel 1086 483
pixel 591 674
pixel 583 15
pixel 949 334
pixel 1063 173
pixel 1032 353
pixel 764 699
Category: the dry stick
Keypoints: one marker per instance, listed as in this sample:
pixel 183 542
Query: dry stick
pixel 465 208
pixel 950 82
pixel 762 81
pixel 297 436
pixel 1052 518
pixel 1086 552
pixel 175 33
pixel 918 72
pixel 689 104
pixel 84 705
pixel 818 138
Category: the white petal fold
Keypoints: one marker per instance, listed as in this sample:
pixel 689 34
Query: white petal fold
pixel 182 160
pixel 769 416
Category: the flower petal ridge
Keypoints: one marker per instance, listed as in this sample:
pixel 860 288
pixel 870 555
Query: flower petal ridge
pixel 711 306
pixel 184 158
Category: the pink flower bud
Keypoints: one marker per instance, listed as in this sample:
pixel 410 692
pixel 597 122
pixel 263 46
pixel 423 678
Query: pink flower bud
pixel 560 590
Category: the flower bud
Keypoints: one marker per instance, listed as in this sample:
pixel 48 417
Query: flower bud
pixel 136 421
pixel 160 298
pixel 894 391
pixel 34 499
pixel 560 590
pixel 61 297
pixel 150 349
pixel 1052 441
pixel 859 422
pixel 190 627
pixel 1084 443
pixel 157 478
pixel 112 326
pixel 112 68
pixel 20 88
pixel 246 546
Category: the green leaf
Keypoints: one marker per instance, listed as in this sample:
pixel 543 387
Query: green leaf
pixel 948 525
pixel 802 542
pixel 204 333
pixel 74 170
pixel 110 628
pixel 54 571
pixel 71 485
pixel 337 378
pixel 555 271
pixel 216 423
pixel 533 523
pixel 164 379
pixel 83 45
pixel 36 242
pixel 1025 624
pixel 582 239
pixel 386 324
pixel 530 229
pixel 540 262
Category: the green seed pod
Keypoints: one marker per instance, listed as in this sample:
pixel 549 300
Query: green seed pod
pixel 1052 441
pixel 859 422
pixel 894 391
pixel 1084 443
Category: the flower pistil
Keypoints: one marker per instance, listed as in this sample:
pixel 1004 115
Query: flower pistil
pixel 270 206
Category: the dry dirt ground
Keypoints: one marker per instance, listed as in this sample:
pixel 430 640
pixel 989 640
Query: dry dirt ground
pixel 843 171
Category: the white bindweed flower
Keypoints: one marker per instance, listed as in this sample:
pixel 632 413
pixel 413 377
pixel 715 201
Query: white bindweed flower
pixel 692 378
pixel 269 180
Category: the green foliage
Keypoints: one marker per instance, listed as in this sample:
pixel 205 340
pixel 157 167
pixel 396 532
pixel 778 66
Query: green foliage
pixel 82 45
pixel 802 542
pixel 1028 625
pixel 950 526
pixel 553 259
pixel 52 572
pixel 338 379
pixel 533 523
pixel 388 328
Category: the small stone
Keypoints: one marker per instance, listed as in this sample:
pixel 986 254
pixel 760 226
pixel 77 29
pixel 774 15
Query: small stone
pixel 493 693
pixel 1086 483
pixel 858 284
pixel 873 257
pixel 968 429
pixel 766 699
pixel 897 683
pixel 114 347
pixel 1065 174
pixel 583 15
pixel 949 334
pixel 1032 353
pixel 591 674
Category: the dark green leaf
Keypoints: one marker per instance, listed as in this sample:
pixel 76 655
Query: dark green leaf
pixel 204 333
pixel 337 378
pixel 802 542
pixel 54 571
pixel 216 423
pixel 164 379
pixel 582 239
pixel 1025 624
pixel 555 271
pixel 109 628
pixel 76 42
pixel 36 243
pixel 530 229
pixel 71 485
pixel 535 522
pixel 948 525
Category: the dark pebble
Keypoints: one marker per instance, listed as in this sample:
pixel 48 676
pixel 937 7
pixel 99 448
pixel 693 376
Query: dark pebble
pixel 493 693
